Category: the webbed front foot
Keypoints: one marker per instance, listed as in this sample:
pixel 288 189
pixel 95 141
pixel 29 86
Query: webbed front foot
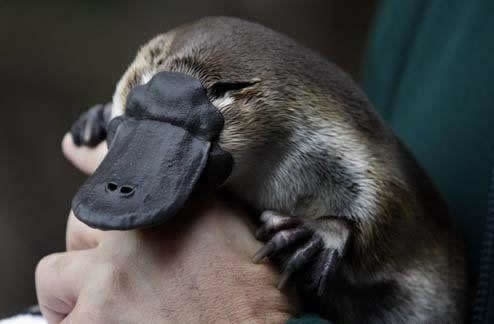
pixel 90 128
pixel 313 247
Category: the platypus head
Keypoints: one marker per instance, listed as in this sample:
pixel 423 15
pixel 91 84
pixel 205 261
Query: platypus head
pixel 214 102
pixel 160 151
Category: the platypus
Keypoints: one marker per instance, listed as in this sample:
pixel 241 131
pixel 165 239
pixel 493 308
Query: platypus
pixel 351 218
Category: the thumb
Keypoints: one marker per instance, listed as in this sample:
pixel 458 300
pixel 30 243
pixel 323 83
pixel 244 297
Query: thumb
pixel 59 278
pixel 84 158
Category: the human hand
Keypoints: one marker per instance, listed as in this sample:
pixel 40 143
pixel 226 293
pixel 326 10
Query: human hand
pixel 78 235
pixel 197 271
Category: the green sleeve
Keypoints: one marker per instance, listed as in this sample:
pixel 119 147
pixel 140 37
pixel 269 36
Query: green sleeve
pixel 429 71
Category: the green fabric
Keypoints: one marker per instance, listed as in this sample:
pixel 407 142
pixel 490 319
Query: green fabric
pixel 429 71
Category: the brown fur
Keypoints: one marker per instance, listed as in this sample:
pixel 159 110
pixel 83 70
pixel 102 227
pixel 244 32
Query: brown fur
pixel 307 143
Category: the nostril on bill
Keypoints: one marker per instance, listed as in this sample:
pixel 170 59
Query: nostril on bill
pixel 126 190
pixel 111 186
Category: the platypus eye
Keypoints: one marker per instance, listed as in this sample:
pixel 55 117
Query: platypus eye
pixel 221 88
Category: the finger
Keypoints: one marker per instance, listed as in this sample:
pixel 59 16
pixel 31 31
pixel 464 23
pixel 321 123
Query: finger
pixel 79 236
pixel 59 278
pixel 84 158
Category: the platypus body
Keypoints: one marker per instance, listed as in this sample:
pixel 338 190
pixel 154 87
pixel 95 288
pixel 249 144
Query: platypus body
pixel 352 219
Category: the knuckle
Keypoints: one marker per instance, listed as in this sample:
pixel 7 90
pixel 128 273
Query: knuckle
pixel 46 270
pixel 48 264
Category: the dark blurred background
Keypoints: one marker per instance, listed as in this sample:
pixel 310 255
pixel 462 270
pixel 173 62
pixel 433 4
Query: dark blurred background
pixel 59 57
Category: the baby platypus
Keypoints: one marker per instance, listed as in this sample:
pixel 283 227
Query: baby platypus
pixel 347 212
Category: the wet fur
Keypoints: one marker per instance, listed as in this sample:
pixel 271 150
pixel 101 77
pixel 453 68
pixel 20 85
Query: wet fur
pixel 307 143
